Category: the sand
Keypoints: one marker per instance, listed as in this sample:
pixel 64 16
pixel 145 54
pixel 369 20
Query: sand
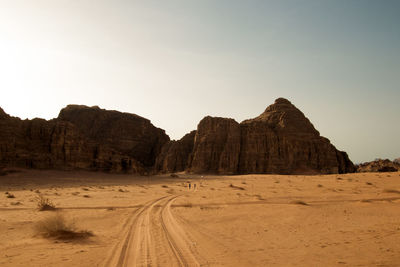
pixel 250 220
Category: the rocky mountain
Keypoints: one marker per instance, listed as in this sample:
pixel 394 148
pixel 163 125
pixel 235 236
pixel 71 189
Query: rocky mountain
pixel 281 140
pixel 81 138
pixel 126 133
pixel 397 161
pixel 379 165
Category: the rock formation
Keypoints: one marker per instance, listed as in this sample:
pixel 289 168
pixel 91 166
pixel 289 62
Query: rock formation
pixel 174 156
pixel 216 146
pixel 93 140
pixel 281 140
pixel 379 165
pixel 127 133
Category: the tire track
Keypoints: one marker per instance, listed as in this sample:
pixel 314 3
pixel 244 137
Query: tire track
pixel 146 231
pixel 119 255
pixel 179 242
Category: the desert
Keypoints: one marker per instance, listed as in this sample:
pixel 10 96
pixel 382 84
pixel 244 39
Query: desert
pixel 245 220
pixel 199 133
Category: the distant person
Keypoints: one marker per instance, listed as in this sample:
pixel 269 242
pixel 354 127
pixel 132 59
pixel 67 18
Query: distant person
pixel 190 185
pixel 194 186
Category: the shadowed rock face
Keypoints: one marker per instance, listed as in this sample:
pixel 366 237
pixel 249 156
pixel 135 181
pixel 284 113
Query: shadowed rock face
pixel 216 146
pixel 56 144
pixel 174 156
pixel 126 133
pixel 281 140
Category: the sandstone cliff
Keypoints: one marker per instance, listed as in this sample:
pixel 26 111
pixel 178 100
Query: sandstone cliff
pixel 174 156
pixel 281 140
pixel 56 144
pixel 126 133
pixel 216 146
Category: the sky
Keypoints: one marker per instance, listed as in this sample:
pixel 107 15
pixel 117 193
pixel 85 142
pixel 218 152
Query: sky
pixel 175 62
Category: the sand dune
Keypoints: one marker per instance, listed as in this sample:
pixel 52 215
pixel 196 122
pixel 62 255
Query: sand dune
pixel 250 220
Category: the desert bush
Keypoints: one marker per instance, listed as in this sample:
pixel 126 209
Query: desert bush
pixel 57 227
pixel 44 203
pixel 9 195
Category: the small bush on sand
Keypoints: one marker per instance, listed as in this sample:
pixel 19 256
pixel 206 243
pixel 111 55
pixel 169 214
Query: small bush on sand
pixel 9 195
pixel 56 227
pixel 44 203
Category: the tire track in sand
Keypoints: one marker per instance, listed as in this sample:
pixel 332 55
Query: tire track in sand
pixel 120 254
pixel 142 235
pixel 178 240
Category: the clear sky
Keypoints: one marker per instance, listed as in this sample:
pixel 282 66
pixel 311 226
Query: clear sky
pixel 175 62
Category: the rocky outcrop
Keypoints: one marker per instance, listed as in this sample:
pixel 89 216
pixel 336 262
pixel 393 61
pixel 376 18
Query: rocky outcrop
pixel 126 133
pixel 56 144
pixel 216 146
pixel 281 140
pixel 174 156
pixel 379 165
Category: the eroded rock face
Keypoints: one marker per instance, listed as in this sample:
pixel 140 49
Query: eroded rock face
pixel 126 133
pixel 281 140
pixel 56 144
pixel 380 165
pixel 174 156
pixel 216 146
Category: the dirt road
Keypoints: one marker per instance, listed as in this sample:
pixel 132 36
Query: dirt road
pixel 153 237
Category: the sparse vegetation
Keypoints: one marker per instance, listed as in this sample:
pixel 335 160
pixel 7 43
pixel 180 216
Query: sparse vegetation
pixel 9 195
pixel 320 185
pixel 56 227
pixel 44 203
pixel 87 196
pixel 173 175
pixel 164 186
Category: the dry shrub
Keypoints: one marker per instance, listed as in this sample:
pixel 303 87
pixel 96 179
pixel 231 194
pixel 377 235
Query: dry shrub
pixel 56 227
pixel 9 195
pixel 44 203
pixel 164 186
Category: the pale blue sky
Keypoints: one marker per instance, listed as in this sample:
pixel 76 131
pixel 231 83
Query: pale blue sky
pixel 175 62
